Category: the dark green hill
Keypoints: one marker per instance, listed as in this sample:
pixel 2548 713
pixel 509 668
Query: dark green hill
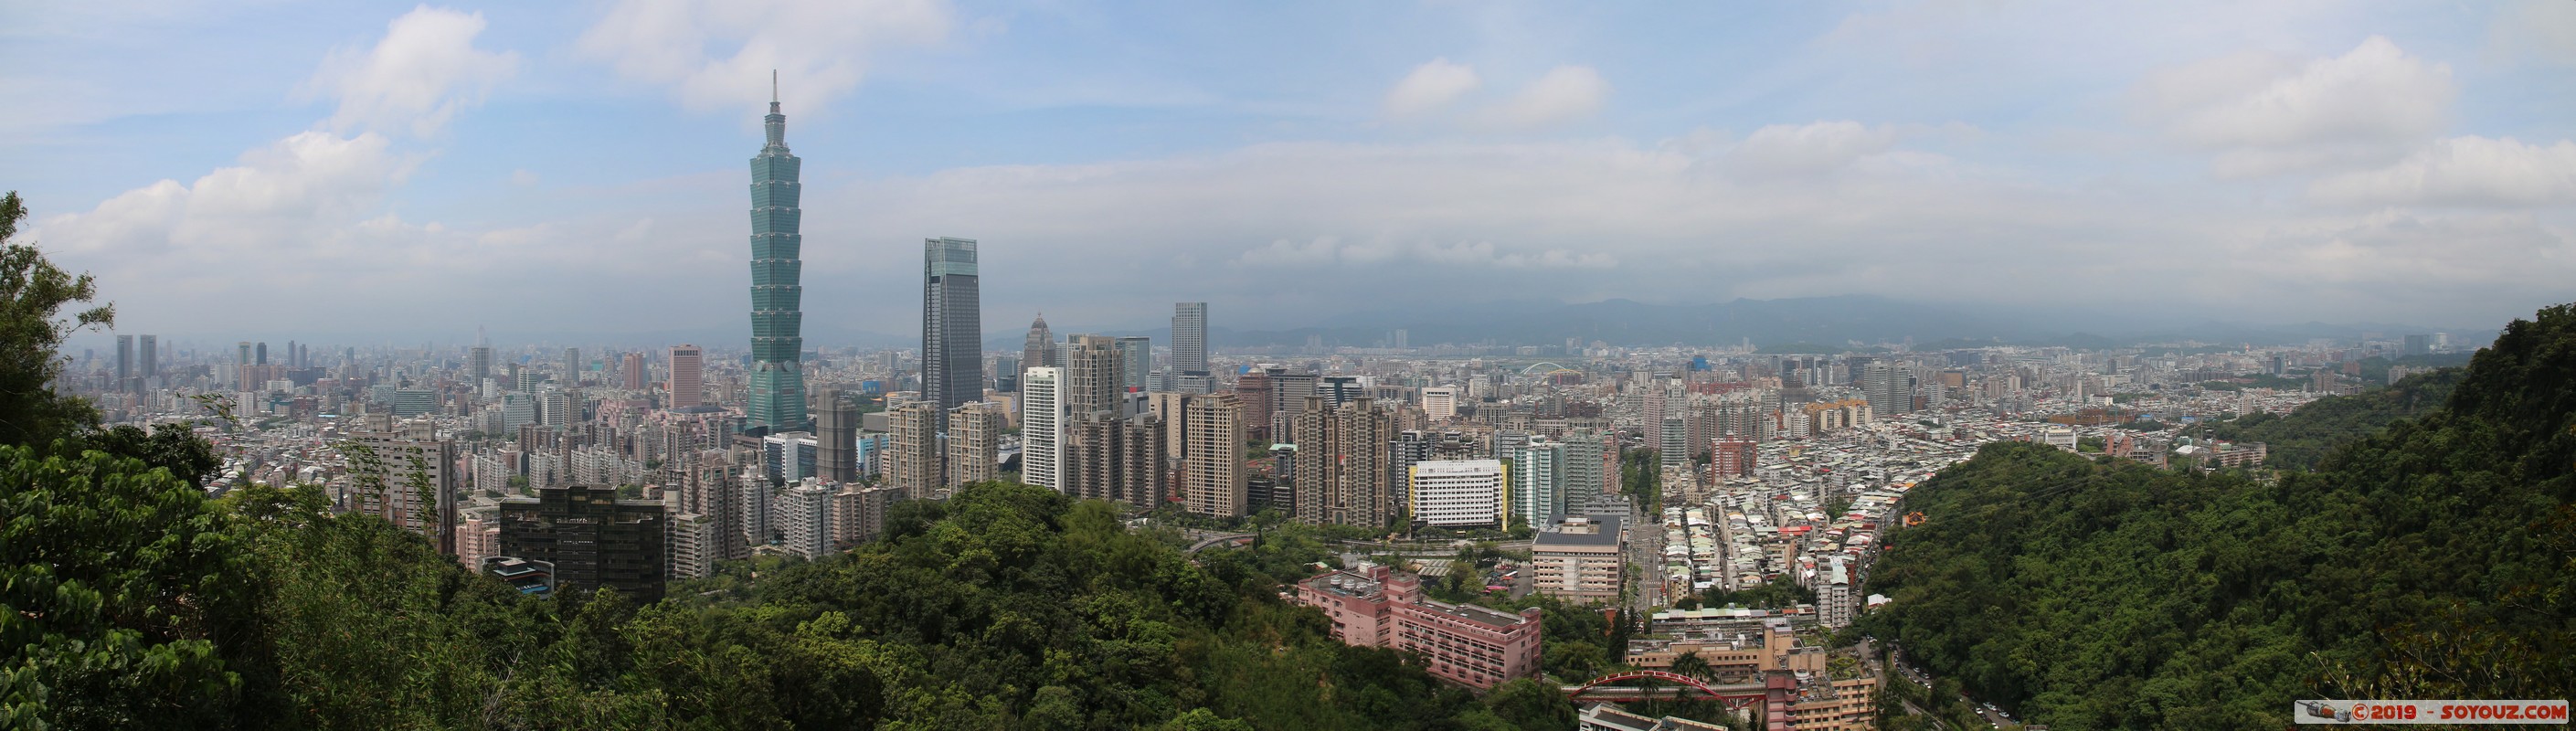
pixel 2302 437
pixel 2433 559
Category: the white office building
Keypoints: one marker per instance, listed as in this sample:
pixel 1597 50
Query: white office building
pixel 1440 402
pixel 1459 493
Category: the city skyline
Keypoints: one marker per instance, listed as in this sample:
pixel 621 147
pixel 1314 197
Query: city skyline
pixel 2414 167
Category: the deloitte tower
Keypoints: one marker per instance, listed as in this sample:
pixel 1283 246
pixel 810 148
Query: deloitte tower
pixel 777 379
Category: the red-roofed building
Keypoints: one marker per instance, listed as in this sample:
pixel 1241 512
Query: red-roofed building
pixel 1470 645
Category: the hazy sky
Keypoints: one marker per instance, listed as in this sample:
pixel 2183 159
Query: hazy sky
pixel 418 170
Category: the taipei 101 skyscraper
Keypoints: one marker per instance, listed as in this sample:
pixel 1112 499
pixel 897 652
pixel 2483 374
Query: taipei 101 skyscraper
pixel 777 378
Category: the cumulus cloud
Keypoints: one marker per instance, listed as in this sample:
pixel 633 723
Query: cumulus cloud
pixel 1430 87
pixel 2264 115
pixel 305 219
pixel 1564 94
pixel 2463 171
pixel 279 198
pixel 417 77
pixel 719 53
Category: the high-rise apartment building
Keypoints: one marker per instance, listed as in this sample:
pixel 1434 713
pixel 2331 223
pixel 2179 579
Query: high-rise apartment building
pixel 1341 463
pixel 1288 392
pixel 1650 395
pixel 592 538
pixel 1889 388
pixel 707 489
pixel 1042 427
pixel 406 475
pixel 1591 464
pixel 913 458
pixel 1212 479
pixel 630 372
pixel 952 329
pixel 688 376
pixel 1254 390
pixel 1091 376
pixel 1135 364
pixel 836 434
pixel 150 357
pixel 1121 459
pixel 572 367
pixel 1538 483
pixel 1408 447
pixel 124 360
pixel 1189 342
pixel 478 363
pixel 974 440
pixel 1674 449
pixel 789 457
pixel 777 399
pixel 804 516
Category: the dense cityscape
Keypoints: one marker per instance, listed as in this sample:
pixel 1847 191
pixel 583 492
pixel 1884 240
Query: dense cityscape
pixel 1354 482
pixel 558 468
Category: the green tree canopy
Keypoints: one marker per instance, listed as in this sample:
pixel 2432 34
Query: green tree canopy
pixel 33 293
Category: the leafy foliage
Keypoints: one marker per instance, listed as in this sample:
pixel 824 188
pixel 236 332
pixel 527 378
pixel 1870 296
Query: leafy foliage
pixel 32 294
pixel 135 602
pixel 2301 439
pixel 2433 559
pixel 120 591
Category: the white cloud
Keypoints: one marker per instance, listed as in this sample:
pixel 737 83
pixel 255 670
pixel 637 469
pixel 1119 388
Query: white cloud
pixel 1793 150
pixel 2395 259
pixel 2464 171
pixel 417 77
pixel 1430 87
pixel 2264 115
pixel 1564 94
pixel 719 53
pixel 280 199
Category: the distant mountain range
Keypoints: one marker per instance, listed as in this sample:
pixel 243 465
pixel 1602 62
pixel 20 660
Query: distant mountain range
pixel 1829 322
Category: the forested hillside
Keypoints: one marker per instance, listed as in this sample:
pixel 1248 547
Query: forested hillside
pixel 2434 559
pixel 2301 438
pixel 1006 607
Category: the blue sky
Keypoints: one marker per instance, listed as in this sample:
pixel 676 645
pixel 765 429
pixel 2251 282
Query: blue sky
pixel 416 170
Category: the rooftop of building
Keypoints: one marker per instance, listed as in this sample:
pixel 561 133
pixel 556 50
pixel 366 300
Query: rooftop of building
pixel 1597 530
pixel 1488 616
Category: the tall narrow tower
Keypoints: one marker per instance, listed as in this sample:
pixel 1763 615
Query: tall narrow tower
pixel 952 324
pixel 777 379
pixel 1189 346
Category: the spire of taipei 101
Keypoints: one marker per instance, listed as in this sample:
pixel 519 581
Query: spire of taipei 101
pixel 777 378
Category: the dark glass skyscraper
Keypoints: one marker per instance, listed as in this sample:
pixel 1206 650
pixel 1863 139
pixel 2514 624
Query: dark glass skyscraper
pixel 777 379
pixel 952 324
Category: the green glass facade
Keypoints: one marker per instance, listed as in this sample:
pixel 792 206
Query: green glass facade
pixel 777 318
